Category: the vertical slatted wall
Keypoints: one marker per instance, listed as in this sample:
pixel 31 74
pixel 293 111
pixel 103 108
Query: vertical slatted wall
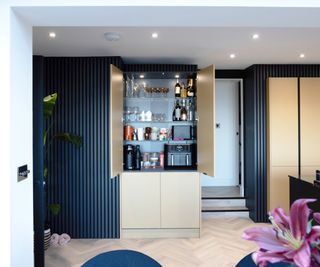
pixel 255 129
pixel 79 178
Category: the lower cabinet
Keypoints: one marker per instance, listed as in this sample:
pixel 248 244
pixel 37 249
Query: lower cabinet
pixel 160 204
pixel 140 200
pixel 180 200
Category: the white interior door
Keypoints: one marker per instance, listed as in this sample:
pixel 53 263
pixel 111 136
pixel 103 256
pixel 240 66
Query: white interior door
pixel 227 135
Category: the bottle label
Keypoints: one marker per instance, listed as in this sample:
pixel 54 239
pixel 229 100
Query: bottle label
pixel 178 113
pixel 177 90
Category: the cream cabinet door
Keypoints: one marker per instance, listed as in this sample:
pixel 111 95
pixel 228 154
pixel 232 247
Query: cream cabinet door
pixel 180 200
pixel 116 124
pixel 140 200
pixel 283 121
pixel 279 187
pixel 310 123
pixel 282 139
pixel 206 120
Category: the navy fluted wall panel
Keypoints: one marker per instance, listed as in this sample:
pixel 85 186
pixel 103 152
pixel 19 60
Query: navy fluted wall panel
pixel 38 192
pixel 79 177
pixel 255 141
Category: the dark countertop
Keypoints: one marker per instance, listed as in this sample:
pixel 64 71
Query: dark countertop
pixel 306 178
pixel 159 170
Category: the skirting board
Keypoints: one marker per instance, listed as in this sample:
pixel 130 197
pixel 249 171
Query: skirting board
pixel 160 233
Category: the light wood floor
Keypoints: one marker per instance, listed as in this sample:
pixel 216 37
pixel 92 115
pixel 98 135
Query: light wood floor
pixel 220 191
pixel 220 245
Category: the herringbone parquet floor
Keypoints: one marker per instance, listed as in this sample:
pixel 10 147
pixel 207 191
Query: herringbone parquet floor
pixel 220 245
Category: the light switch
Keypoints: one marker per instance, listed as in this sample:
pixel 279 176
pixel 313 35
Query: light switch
pixel 23 172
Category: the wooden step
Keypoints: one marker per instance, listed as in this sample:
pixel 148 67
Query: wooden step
pixel 222 198
pixel 224 202
pixel 226 209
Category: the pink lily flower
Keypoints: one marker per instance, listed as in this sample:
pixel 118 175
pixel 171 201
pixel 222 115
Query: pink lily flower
pixel 316 217
pixel 287 240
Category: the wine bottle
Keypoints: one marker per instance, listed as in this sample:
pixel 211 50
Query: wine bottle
pixel 177 89
pixel 177 111
pixel 190 89
pixel 184 113
pixel 137 164
pixel 174 113
pixel 183 91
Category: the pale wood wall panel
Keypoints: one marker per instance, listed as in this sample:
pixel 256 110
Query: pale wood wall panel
pixel 279 187
pixel 282 139
pixel 283 121
pixel 310 123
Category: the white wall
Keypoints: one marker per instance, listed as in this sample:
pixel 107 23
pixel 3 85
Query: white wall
pixel 21 142
pixel 226 139
pixel 5 226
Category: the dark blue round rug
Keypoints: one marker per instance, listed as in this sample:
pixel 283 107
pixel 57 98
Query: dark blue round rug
pixel 121 258
pixel 248 262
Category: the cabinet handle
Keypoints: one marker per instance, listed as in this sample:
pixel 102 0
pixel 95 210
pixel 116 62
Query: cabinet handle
pixel 187 159
pixel 171 159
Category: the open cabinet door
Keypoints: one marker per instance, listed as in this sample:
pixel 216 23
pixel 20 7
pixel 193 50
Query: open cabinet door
pixel 116 122
pixel 206 120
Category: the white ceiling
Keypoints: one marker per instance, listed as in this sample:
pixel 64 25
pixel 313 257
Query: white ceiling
pixel 199 35
pixel 188 45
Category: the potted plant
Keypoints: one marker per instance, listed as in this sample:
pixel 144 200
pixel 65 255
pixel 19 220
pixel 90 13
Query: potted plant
pixel 49 103
pixel 293 240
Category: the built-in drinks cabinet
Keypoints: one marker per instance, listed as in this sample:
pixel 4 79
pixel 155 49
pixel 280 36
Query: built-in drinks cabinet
pixel 160 126
pixel 161 139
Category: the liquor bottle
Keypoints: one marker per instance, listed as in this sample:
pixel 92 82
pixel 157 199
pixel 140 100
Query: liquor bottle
pixel 137 163
pixel 190 89
pixel 191 112
pixel 184 113
pixel 177 89
pixel 183 92
pixel 176 112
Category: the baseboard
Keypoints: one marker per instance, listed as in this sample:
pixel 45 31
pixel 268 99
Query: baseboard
pixel 160 233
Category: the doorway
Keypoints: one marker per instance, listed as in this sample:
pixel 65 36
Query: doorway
pixel 228 179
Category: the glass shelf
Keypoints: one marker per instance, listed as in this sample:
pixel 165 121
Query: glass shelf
pixel 155 122
pixel 159 98
pixel 161 141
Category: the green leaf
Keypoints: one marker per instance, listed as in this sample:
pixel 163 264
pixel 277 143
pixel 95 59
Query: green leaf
pixel 48 104
pixel 45 173
pixel 45 133
pixel 69 138
pixel 54 209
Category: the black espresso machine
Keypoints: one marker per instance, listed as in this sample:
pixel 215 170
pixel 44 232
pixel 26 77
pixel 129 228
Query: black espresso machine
pixel 180 156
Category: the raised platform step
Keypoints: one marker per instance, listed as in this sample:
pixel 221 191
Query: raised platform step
pixel 225 209
pixel 222 197
pixel 223 202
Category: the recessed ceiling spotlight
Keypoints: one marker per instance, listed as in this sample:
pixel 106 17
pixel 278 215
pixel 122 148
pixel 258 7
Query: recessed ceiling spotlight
pixel 255 36
pixel 232 55
pixel 154 35
pixel 177 76
pixel 112 36
pixel 52 34
pixel 302 55
pixel 141 76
